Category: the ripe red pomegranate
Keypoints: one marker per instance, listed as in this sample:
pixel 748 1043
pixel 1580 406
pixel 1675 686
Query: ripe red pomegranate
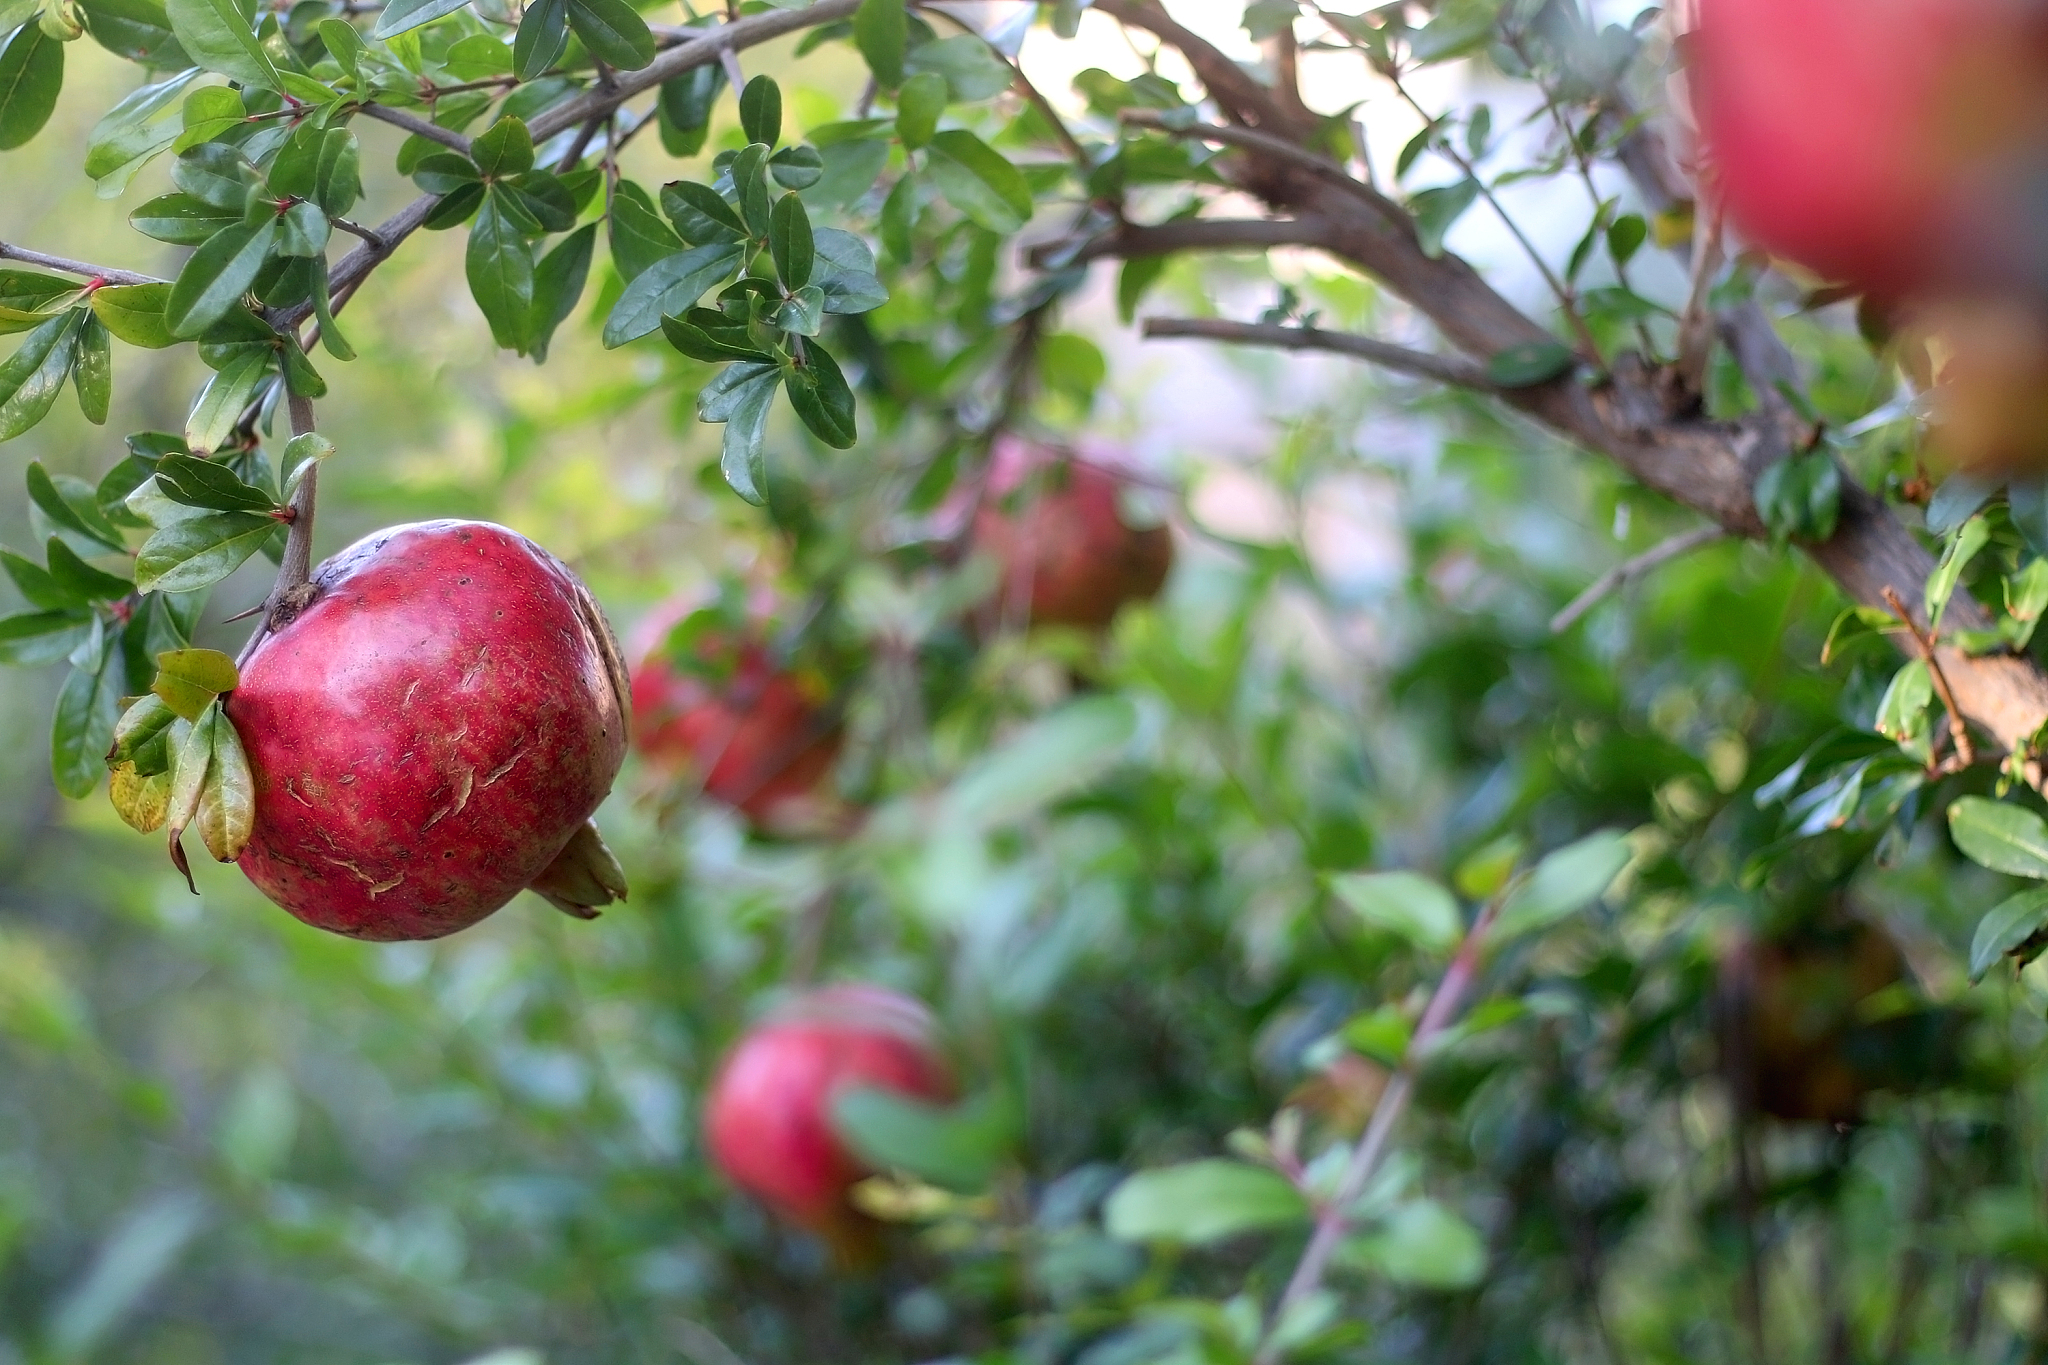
pixel 755 737
pixel 431 734
pixel 1873 141
pixel 769 1121
pixel 1069 552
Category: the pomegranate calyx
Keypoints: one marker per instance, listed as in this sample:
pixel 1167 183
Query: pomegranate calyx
pixel 583 876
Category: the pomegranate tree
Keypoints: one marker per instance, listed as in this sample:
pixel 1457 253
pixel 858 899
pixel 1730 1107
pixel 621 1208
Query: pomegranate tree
pixel 769 1117
pixel 430 734
pixel 1873 141
pixel 1069 550
pixel 720 712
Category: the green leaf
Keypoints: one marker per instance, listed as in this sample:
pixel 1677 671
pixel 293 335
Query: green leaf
pixel 976 180
pixel 1529 364
pixel 401 15
pixel 31 639
pixel 750 186
pixel 846 272
pixel 31 75
pixel 790 243
pixel 918 106
pixel 700 213
pixel 2007 927
pixel 797 168
pixel 188 784
pixel 218 275
pixel 1436 210
pixel 1800 496
pixel 821 397
pixel 637 235
pixel 71 505
pixel 850 171
pixel 92 370
pixel 445 173
pixel 1902 712
pixel 740 397
pixel 703 334
pixel 506 148
pixel 130 134
pixel 219 405
pixel 802 313
pixel 303 231
pixel 686 100
pixel 81 580
pixel 500 270
pixel 1139 274
pixel 1941 584
pixel 188 680
pixel 142 736
pixel 1054 756
pixel 969 66
pixel 34 375
pixel 668 286
pixel 613 31
pixel 320 164
pixel 227 803
pixel 761 111
pixel 219 36
pixel 217 175
pixel 344 44
pixel 881 30
pixel 1423 1244
pixel 83 730
pixel 2000 836
pixel 557 284
pixel 1565 882
pixel 200 551
pixel 542 38
pixel 27 298
pixel 957 1148
pixel 209 484
pixel 135 313
pixel 38 586
pixel 1405 904
pixel 1201 1202
pixel 138 30
pixel 182 220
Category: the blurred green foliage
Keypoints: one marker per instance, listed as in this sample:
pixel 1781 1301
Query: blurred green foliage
pixel 1112 865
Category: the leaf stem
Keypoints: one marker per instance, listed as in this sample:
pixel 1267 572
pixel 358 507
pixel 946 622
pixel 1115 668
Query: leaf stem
pixel 1333 1217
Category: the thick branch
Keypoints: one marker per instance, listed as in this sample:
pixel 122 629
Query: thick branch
pixel 105 274
pixel 1444 369
pixel 1633 417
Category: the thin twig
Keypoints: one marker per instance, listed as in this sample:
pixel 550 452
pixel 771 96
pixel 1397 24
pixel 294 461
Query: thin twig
pixel 1423 365
pixel 1621 574
pixel 581 145
pixel 103 273
pixel 1333 1218
pixel 1958 730
pixel 355 229
pixel 1252 140
pixel 417 126
pixel 1565 298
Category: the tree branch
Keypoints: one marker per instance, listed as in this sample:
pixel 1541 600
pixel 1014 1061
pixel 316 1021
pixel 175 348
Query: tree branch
pixel 1621 574
pixel 419 127
pixel 1251 139
pixel 1334 1216
pixel 1421 364
pixel 698 51
pixel 105 274
pixel 1633 416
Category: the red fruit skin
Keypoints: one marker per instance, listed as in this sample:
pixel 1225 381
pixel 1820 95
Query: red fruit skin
pixel 1864 138
pixel 429 733
pixel 760 742
pixel 1069 553
pixel 769 1122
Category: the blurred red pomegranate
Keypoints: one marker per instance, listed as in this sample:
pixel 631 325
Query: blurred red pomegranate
pixel 756 737
pixel 1878 142
pixel 1068 551
pixel 769 1116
